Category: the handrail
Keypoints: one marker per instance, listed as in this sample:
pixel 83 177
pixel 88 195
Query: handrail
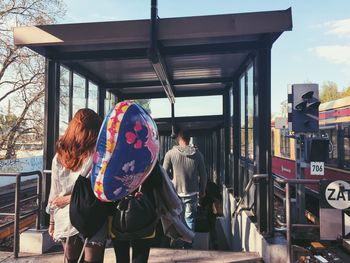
pixel 17 213
pixel 255 177
pixel 289 224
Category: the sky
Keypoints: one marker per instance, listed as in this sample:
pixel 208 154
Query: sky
pixel 317 50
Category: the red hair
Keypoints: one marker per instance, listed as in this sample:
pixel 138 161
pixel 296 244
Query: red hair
pixel 79 140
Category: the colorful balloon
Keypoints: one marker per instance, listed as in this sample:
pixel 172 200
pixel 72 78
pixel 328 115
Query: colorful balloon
pixel 126 151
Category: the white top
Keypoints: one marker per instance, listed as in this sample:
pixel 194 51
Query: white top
pixel 62 183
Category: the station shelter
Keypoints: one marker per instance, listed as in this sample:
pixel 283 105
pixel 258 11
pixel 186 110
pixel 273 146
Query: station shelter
pixel 228 56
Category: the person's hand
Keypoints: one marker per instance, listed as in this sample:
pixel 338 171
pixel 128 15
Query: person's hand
pixel 60 201
pixel 51 229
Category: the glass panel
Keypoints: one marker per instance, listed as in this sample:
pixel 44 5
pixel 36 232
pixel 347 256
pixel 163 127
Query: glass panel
pixel 250 112
pixel 160 108
pixel 146 104
pixel 231 120
pixel 92 99
pixel 242 142
pixel 64 100
pixel 79 100
pixel 250 144
pixel 110 101
pixel 198 106
pixel 107 102
pixel 242 87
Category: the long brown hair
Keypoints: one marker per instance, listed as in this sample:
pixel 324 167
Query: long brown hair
pixel 79 140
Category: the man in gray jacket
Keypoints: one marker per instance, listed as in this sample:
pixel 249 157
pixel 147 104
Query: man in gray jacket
pixel 186 165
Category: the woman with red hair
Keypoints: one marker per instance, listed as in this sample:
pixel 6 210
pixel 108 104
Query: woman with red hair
pixel 74 157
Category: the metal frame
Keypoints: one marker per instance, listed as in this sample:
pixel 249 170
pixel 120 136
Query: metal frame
pixel 227 112
pixel 155 57
pixel 262 137
pixel 17 214
pixel 51 119
pixel 289 223
pixel 155 83
pixel 71 95
pixel 236 132
pixel 153 95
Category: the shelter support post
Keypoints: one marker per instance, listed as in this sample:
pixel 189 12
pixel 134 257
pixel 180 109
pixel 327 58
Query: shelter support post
pixel 236 139
pixel 101 101
pixel 51 121
pixel 262 137
pixel 226 112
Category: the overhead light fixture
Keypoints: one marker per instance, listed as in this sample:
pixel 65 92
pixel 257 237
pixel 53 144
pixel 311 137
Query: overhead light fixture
pixel 163 78
pixel 155 57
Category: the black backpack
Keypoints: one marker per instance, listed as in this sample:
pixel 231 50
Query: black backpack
pixel 87 213
pixel 135 216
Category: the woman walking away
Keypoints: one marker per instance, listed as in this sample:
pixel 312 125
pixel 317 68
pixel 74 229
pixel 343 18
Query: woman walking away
pixel 74 157
pixel 126 172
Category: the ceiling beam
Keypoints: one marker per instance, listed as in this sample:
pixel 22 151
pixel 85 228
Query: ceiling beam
pixel 214 48
pixel 155 83
pixel 188 93
pixel 142 53
pixel 103 55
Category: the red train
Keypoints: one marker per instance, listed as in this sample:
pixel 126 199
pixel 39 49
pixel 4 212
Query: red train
pixel 334 121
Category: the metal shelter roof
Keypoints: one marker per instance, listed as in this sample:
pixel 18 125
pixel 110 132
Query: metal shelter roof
pixel 201 54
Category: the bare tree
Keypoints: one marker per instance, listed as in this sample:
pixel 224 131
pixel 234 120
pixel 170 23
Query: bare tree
pixel 21 70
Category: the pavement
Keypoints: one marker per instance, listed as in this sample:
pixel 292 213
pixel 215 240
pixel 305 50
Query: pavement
pixel 157 255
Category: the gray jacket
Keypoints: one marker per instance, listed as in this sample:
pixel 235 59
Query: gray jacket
pixel 188 169
pixel 169 208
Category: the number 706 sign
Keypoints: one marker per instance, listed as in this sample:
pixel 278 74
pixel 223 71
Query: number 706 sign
pixel 317 168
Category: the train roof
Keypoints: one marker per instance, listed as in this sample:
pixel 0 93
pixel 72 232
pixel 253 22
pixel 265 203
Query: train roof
pixel 334 104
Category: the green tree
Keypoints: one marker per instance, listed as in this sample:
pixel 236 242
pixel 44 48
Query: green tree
pixel 346 92
pixel 329 91
pixel 145 103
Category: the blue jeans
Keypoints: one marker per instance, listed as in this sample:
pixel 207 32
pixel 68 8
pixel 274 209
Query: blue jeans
pixel 190 210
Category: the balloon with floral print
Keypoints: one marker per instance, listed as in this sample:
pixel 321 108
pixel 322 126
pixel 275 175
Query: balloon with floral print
pixel 126 151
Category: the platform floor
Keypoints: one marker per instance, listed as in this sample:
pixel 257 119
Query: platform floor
pixel 157 255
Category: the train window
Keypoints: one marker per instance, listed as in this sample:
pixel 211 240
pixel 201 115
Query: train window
pixel 333 153
pixel 347 152
pixel 272 142
pixel 284 145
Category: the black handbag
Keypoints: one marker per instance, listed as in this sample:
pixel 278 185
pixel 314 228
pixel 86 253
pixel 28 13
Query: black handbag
pixel 135 216
pixel 87 213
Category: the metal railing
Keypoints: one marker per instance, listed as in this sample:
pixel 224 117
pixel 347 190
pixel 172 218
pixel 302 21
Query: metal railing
pixel 289 223
pixel 255 179
pixel 17 213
